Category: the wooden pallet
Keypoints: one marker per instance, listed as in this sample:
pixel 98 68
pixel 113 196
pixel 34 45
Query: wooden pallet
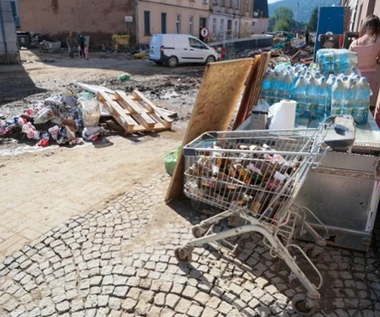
pixel 135 113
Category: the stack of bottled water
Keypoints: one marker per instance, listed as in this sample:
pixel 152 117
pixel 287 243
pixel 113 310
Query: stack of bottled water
pixel 318 96
pixel 336 61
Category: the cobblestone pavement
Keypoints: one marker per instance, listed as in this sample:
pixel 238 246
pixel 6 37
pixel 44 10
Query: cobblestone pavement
pixel 120 262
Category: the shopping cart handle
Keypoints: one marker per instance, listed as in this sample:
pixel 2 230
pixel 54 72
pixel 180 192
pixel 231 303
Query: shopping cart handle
pixel 344 136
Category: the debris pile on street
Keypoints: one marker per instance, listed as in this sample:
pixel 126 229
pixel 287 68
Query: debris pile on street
pixel 73 118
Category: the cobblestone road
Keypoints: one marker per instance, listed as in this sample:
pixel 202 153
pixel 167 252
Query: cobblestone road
pixel 120 262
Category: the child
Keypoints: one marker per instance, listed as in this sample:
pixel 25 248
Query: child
pixel 86 52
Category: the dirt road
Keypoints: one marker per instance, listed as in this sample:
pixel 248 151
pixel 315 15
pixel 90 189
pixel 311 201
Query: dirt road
pixel 173 88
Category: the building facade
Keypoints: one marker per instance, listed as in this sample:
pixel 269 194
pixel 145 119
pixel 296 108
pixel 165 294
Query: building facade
pixel 360 9
pixel 170 16
pixel 98 19
pixel 9 52
pixel 260 16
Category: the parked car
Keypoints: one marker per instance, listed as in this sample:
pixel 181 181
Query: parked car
pixel 174 49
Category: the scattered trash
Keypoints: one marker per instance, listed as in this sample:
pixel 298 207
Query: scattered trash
pixel 171 160
pixel 91 133
pixel 125 76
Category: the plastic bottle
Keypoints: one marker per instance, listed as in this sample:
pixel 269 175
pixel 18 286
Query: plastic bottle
pixel 323 97
pixel 300 95
pixel 286 87
pixel 337 97
pixel 363 96
pixel 267 86
pixel 312 97
pixel 276 87
pixel 351 95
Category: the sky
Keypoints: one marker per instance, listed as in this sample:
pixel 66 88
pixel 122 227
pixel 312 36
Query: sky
pixel 271 1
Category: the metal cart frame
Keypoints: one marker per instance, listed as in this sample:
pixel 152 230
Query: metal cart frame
pixel 278 218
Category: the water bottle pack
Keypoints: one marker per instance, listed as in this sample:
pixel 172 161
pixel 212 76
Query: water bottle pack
pixel 318 96
pixel 336 61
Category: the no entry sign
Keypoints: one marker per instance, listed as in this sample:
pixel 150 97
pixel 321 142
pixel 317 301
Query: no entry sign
pixel 204 32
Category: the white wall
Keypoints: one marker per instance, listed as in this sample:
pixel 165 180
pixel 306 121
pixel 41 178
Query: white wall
pixel 221 27
pixel 10 34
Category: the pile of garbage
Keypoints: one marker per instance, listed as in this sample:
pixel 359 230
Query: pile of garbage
pixel 64 119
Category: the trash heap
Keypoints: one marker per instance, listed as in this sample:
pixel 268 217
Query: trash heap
pixel 63 118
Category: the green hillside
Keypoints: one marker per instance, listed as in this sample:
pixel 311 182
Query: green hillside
pixel 305 8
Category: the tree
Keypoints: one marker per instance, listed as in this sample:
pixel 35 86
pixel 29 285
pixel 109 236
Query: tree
pixel 283 13
pixel 282 19
pixel 283 25
pixel 313 22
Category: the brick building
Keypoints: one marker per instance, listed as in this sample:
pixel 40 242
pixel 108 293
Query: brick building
pixel 98 19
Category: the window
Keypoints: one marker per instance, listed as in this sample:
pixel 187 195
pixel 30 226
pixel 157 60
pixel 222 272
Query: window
pixel 237 4
pixel 221 25
pixel 214 25
pixel 246 28
pixel 178 24
pixel 246 5
pixel 196 44
pixel 230 3
pixel 236 27
pixel 360 15
pixel 147 23
pixel 204 1
pixel 215 2
pixel 223 3
pixel 202 22
pixel 191 25
pixel 163 22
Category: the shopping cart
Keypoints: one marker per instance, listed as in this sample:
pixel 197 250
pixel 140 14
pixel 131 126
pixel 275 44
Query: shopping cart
pixel 256 176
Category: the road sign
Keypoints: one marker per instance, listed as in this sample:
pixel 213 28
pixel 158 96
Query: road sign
pixel 128 19
pixel 204 32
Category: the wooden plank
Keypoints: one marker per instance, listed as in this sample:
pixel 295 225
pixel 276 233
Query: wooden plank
pixel 152 107
pixel 117 112
pixel 137 112
pixel 240 117
pixel 256 89
pixel 253 88
pixel 121 95
pixel 295 55
pixel 94 89
pixel 216 101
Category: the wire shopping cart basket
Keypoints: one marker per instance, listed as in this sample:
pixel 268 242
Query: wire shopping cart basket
pixel 256 175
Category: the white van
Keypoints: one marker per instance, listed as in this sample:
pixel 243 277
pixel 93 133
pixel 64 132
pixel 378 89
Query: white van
pixel 173 49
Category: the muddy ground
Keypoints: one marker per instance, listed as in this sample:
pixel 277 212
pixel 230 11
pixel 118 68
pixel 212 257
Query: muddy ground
pixel 42 75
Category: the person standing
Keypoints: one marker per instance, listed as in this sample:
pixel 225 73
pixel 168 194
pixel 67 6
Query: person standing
pixel 81 43
pixel 368 49
pixel 307 37
pixel 70 41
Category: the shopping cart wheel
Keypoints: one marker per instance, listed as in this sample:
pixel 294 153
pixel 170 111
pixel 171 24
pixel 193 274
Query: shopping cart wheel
pixel 303 308
pixel 183 254
pixel 198 231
